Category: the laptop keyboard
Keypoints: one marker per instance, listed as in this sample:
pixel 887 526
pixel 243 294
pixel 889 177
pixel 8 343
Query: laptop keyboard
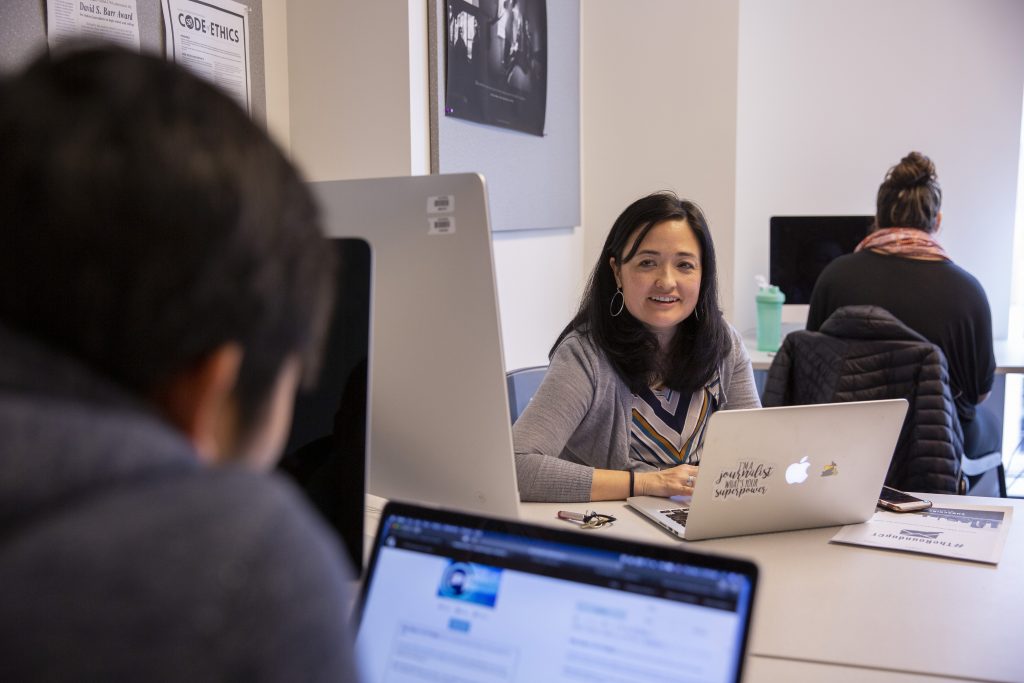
pixel 677 515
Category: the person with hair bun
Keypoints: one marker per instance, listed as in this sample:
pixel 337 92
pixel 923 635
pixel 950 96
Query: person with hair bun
pixel 902 267
pixel 638 371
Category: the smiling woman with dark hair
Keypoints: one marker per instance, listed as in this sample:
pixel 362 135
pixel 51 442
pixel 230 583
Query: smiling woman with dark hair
pixel 638 371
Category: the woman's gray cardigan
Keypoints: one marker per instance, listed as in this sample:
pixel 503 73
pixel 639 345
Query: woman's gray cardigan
pixel 580 417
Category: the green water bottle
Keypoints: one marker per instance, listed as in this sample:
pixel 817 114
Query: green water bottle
pixel 769 316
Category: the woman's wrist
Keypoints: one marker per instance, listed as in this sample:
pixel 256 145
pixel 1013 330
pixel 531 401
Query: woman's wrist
pixel 643 483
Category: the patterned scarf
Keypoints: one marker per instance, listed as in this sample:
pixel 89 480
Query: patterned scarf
pixel 906 242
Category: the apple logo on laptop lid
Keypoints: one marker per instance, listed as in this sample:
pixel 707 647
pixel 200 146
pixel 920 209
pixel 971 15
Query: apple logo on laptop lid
pixel 797 472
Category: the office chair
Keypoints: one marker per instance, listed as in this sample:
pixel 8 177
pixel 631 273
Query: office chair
pixel 986 474
pixel 522 384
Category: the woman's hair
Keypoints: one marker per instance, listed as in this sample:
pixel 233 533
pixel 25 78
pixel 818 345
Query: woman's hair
pixel 910 196
pixel 701 341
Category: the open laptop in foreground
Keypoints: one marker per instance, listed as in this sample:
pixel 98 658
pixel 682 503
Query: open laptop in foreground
pixel 458 597
pixel 780 469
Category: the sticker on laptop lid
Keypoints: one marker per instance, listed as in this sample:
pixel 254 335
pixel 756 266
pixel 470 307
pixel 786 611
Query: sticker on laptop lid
pixel 830 470
pixel 441 225
pixel 748 478
pixel 441 204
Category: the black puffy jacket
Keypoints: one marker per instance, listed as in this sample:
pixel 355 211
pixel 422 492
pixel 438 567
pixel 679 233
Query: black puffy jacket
pixel 863 353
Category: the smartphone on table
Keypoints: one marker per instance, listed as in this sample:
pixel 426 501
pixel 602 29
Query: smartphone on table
pixel 898 501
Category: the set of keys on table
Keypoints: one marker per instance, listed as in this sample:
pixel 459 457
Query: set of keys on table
pixel 586 520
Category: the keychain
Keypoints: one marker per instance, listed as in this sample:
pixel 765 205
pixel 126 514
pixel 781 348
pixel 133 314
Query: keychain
pixel 586 520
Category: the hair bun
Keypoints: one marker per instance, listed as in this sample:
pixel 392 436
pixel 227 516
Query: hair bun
pixel 914 170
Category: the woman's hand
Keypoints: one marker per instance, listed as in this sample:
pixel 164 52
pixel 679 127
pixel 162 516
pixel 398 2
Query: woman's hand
pixel 675 481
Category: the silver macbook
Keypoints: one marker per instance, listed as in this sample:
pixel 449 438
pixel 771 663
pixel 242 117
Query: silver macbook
pixel 780 469
pixel 439 420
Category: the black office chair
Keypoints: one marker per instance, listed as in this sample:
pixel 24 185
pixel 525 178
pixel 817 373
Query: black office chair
pixel 986 475
pixel 984 471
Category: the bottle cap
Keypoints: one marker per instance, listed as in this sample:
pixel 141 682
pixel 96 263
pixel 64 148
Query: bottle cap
pixel 771 294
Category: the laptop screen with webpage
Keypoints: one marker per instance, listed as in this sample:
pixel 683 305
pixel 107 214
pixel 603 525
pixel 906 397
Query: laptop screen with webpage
pixel 452 596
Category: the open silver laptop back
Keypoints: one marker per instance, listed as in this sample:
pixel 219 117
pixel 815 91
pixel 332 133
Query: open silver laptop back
pixel 796 467
pixel 439 421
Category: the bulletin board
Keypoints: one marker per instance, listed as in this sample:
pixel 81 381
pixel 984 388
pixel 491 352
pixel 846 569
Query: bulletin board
pixel 533 182
pixel 23 36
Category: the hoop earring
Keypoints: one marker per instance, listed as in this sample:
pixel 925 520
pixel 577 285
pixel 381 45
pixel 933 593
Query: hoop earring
pixel 616 312
pixel 696 311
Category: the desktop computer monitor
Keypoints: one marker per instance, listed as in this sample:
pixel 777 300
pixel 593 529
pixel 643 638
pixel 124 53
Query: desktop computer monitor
pixel 326 450
pixel 801 247
pixel 440 431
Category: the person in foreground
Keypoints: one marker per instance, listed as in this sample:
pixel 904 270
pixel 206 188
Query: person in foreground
pixel 638 371
pixel 901 267
pixel 162 282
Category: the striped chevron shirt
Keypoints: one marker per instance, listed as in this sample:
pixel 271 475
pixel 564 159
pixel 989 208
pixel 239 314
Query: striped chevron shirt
pixel 667 428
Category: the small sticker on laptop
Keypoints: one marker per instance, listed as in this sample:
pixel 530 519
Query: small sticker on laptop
pixel 748 478
pixel 441 225
pixel 441 204
pixel 830 470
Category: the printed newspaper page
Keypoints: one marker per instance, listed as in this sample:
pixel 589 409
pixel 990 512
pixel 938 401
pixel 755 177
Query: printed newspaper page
pixel 112 21
pixel 975 533
pixel 211 38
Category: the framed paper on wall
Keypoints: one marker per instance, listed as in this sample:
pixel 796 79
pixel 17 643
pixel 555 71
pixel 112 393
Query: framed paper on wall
pixel 497 62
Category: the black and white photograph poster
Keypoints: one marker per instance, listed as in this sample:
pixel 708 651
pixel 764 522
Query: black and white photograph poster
pixel 497 62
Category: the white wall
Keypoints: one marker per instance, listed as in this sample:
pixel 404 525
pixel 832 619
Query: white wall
pixel 275 69
pixel 353 88
pixel 833 93
pixel 539 274
pixel 659 112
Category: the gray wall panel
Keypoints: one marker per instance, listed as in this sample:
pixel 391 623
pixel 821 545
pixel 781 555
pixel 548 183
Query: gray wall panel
pixel 533 182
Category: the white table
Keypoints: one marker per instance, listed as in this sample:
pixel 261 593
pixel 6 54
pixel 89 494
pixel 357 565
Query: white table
pixel 836 612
